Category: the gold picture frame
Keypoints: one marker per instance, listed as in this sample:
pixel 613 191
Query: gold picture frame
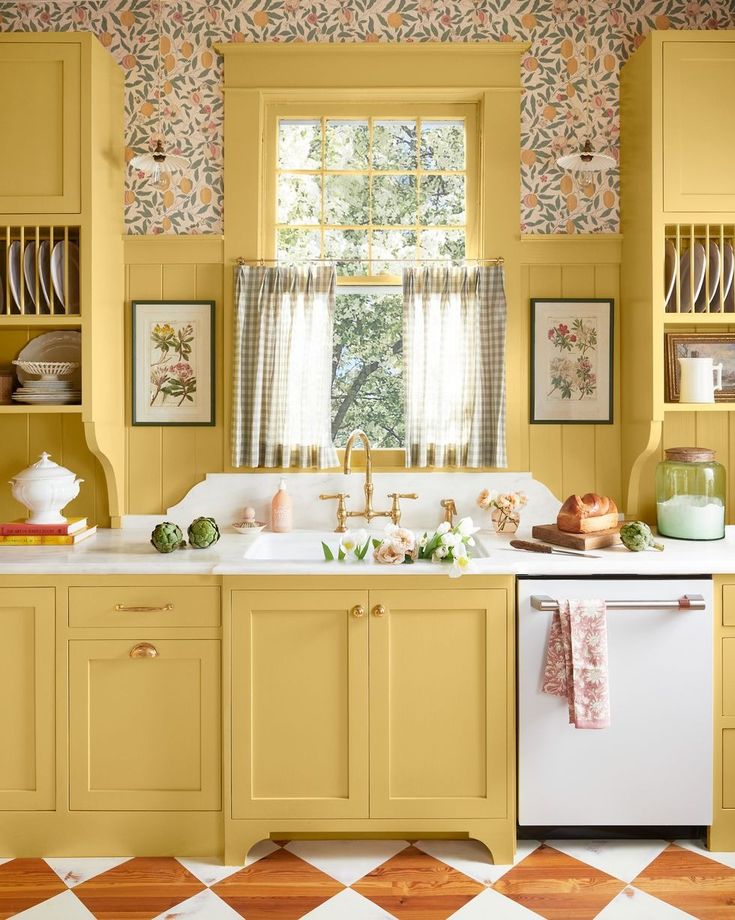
pixel 720 346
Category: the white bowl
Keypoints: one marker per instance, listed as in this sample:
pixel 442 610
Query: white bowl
pixel 249 528
pixel 45 488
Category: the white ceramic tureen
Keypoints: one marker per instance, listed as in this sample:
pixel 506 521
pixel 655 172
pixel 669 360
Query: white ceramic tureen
pixel 45 488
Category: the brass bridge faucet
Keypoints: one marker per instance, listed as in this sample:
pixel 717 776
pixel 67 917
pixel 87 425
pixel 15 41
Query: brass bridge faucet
pixel 368 512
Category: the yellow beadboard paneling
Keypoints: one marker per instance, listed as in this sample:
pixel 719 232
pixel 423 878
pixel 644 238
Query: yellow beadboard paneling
pixel 164 463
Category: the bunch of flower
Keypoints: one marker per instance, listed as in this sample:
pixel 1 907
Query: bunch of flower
pixel 450 544
pixel 400 546
pixel 505 502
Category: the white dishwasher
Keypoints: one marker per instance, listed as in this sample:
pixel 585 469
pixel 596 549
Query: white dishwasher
pixel 653 765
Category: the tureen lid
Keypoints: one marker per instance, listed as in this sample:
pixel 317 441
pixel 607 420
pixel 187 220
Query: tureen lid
pixel 44 468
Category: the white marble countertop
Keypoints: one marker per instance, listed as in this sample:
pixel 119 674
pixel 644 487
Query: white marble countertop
pixel 128 552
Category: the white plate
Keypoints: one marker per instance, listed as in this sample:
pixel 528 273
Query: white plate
pixel 698 276
pixel 57 275
pixel 44 273
pixel 53 346
pixel 14 271
pixel 727 273
pixel 671 260
pixel 707 293
pixel 29 273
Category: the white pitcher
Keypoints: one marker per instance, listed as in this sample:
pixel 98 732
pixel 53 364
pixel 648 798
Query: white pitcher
pixel 698 383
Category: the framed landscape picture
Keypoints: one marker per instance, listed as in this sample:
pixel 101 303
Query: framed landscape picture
pixel 720 346
pixel 173 362
pixel 572 361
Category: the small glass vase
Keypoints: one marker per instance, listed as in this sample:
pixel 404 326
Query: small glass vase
pixel 505 521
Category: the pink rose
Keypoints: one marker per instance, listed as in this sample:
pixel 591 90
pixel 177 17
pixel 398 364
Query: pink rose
pixel 389 554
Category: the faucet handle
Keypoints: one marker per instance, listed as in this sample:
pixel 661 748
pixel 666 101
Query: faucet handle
pixel 341 510
pixel 395 511
pixel 450 509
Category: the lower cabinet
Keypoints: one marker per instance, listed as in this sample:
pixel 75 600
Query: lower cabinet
pixel 380 704
pixel 721 835
pixel 28 692
pixel 144 724
pixel 300 704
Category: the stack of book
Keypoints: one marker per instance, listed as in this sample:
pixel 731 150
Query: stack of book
pixel 20 533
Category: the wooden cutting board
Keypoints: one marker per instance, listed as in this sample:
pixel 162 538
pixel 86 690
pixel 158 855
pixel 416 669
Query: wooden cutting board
pixel 550 533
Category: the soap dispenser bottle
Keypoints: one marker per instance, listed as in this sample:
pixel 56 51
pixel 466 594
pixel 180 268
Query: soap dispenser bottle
pixel 281 510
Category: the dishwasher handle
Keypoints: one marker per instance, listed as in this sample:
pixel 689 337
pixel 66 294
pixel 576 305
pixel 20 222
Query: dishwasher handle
pixel 687 602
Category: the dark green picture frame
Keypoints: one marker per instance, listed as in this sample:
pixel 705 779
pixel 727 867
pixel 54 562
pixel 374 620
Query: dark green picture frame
pixel 609 388
pixel 206 306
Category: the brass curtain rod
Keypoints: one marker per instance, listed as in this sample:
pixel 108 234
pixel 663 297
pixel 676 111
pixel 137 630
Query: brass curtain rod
pixel 243 261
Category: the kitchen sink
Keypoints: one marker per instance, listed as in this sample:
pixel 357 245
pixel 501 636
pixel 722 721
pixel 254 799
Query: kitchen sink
pixel 306 546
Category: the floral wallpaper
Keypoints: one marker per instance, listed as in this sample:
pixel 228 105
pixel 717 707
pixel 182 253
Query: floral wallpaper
pixel 554 75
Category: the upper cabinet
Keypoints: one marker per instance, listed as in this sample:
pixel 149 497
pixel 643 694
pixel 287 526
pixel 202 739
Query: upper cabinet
pixel 698 130
pixel 62 277
pixel 677 209
pixel 40 110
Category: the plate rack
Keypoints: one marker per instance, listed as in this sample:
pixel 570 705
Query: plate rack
pixel 39 271
pixel 699 269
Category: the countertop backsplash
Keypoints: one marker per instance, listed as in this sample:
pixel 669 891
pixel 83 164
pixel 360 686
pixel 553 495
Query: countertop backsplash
pixel 224 496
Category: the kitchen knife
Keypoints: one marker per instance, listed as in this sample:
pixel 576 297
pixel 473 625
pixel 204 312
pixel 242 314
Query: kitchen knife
pixel 532 547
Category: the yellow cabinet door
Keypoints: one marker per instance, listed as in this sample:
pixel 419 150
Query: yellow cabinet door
pixel 299 704
pixel 27 691
pixel 699 131
pixel 439 730
pixel 40 114
pixel 144 732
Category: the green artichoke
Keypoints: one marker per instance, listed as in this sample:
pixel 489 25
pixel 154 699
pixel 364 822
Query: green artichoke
pixel 203 532
pixel 637 536
pixel 167 537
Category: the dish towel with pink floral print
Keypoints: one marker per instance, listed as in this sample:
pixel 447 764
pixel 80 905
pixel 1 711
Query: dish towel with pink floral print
pixel 576 661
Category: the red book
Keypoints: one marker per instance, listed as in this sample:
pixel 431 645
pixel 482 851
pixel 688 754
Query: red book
pixel 23 529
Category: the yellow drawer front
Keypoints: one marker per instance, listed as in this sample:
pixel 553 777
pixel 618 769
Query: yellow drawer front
pixel 144 725
pixel 148 605
pixel 728 605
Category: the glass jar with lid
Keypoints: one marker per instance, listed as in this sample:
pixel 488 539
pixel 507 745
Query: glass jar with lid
pixel 690 494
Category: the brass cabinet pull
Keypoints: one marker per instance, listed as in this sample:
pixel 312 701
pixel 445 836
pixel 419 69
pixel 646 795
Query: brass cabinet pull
pixel 144 650
pixel 124 608
pixel 358 611
pixel 378 610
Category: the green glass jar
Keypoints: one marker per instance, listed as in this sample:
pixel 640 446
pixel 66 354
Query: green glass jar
pixel 690 494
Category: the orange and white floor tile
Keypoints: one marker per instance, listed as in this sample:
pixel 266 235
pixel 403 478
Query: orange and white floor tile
pixel 380 880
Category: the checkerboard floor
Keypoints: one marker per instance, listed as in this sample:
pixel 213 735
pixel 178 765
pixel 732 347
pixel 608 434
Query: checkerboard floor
pixel 384 879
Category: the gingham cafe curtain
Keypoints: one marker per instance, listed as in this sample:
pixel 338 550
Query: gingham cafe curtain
pixel 281 408
pixel 454 352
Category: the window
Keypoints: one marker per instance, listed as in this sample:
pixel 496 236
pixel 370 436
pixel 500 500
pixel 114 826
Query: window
pixel 374 192
pixel 370 191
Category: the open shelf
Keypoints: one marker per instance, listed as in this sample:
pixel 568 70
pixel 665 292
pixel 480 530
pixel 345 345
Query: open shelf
pixel 39 410
pixel 699 319
pixel 44 321
pixel 700 407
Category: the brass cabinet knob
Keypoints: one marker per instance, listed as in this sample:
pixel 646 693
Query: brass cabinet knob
pixel 358 611
pixel 378 610
pixel 144 650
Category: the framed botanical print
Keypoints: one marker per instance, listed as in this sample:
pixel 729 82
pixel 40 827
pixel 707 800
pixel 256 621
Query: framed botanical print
pixel 173 362
pixel 572 361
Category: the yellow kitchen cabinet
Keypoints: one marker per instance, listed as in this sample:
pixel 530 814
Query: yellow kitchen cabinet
pixel 438 702
pixel 677 179
pixel 62 168
pixel 369 707
pixel 40 112
pixel 698 142
pixel 299 704
pixel 721 835
pixel 144 724
pixel 27 689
